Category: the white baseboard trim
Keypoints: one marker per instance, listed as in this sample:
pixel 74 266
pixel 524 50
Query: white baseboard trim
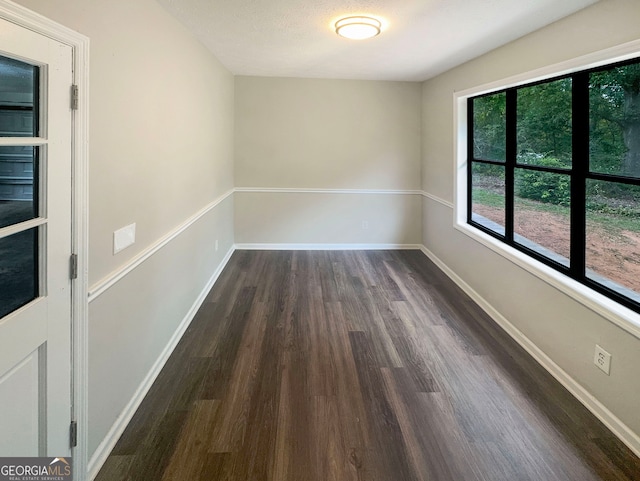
pixel 101 286
pixel 110 440
pixel 599 410
pixel 325 247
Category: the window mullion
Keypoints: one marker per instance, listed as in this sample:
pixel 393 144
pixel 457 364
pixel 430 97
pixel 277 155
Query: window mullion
pixel 511 152
pixel 580 168
pixel 469 159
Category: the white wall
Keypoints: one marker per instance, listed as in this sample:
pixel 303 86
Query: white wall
pixel 161 151
pixel 327 134
pixel 563 329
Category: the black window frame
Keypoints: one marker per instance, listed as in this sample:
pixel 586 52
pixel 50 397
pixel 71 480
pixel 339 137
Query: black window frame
pixel 578 173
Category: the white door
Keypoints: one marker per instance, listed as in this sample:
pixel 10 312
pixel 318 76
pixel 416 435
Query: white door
pixel 35 243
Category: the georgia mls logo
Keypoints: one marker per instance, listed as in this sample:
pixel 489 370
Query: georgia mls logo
pixel 35 469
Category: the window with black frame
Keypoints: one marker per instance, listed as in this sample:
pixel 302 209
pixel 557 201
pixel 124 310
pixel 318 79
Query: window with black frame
pixel 554 171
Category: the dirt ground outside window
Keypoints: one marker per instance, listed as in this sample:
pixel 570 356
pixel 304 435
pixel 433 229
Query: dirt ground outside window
pixel 614 254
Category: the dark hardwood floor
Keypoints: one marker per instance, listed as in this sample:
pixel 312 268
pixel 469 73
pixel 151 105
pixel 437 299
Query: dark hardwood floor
pixel 354 366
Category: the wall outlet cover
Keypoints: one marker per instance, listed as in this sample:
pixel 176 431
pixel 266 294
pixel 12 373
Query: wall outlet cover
pixel 602 359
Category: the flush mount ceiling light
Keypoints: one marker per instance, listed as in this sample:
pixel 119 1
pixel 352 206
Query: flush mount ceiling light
pixel 358 28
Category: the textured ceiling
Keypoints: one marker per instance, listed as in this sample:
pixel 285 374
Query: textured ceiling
pixel 420 38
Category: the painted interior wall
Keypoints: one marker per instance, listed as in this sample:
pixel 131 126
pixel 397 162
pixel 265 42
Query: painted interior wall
pixel 309 134
pixel 161 151
pixel 563 329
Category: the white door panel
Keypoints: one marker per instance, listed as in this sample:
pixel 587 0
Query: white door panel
pixel 21 393
pixel 35 243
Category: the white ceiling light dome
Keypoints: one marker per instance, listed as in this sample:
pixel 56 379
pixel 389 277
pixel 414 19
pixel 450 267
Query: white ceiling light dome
pixel 358 27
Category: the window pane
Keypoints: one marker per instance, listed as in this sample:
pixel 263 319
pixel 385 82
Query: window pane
pixel 542 213
pixel 488 194
pixel 544 124
pixel 614 97
pixel 613 236
pixel 18 270
pixel 18 99
pixel 18 191
pixel 489 127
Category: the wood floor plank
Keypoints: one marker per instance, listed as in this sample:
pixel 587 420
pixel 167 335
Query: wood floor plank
pixel 356 366
pixel 190 454
pixel 332 457
pixel 154 453
pixel 416 363
pixel 215 466
pixel 117 467
pixel 348 395
pixel 387 435
pixel 230 427
pixel 427 458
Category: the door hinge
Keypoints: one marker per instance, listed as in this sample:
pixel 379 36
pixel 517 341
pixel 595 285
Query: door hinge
pixel 73 434
pixel 74 97
pixel 73 266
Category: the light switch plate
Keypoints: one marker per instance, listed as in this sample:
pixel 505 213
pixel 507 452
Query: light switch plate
pixel 123 238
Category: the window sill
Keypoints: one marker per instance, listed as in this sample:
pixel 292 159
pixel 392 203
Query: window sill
pixel 619 315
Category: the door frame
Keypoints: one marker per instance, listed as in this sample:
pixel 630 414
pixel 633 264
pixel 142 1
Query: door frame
pixel 79 44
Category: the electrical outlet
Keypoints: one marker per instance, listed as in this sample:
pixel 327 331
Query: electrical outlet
pixel 216 245
pixel 365 224
pixel 602 359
